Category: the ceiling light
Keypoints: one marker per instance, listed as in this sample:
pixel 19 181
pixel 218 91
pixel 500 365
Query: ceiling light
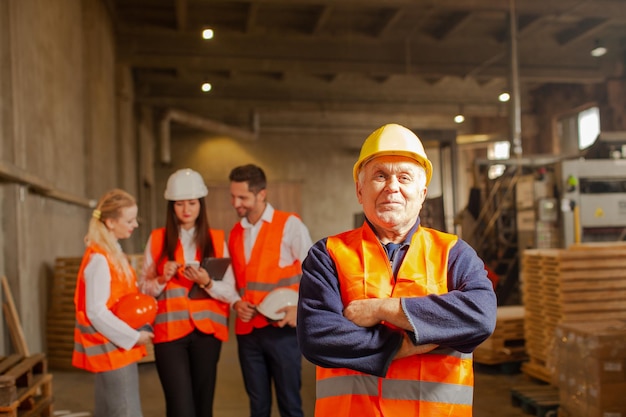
pixel 598 50
pixel 459 118
pixel 207 34
pixel 504 97
pixel 206 87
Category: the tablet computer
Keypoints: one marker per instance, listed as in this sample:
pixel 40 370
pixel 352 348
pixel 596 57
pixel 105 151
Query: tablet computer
pixel 216 267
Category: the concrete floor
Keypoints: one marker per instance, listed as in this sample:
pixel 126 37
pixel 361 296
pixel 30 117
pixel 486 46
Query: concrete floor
pixel 73 391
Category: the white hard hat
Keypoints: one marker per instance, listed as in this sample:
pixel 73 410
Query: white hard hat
pixel 185 184
pixel 275 300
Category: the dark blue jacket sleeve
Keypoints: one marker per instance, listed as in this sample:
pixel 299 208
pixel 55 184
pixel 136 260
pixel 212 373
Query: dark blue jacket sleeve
pixel 325 336
pixel 465 316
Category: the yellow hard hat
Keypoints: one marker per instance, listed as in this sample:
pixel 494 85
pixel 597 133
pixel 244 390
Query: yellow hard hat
pixel 393 139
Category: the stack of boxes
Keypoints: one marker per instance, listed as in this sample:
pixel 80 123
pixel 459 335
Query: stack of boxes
pixel 590 368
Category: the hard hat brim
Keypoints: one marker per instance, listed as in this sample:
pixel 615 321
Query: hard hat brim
pixel 425 163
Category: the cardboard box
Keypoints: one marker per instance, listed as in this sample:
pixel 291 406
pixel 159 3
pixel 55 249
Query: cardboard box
pixel 590 362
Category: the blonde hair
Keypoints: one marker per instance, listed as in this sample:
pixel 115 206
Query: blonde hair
pixel 110 206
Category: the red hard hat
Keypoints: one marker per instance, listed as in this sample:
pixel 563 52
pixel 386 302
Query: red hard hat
pixel 136 309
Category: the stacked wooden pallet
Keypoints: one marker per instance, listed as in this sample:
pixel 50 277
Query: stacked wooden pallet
pixel 61 313
pixel 584 282
pixel 506 344
pixel 25 386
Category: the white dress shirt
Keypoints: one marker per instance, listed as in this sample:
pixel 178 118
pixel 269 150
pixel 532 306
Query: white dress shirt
pixel 295 243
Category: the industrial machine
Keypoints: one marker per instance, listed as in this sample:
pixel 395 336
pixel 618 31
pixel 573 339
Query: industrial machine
pixel 550 202
pixel 593 202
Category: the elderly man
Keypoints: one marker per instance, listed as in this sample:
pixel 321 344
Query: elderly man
pixel 390 312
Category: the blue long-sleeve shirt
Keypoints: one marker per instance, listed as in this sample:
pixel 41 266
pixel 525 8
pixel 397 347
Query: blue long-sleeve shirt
pixel 460 319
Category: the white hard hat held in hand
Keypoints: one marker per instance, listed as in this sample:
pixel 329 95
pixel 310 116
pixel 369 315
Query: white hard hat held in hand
pixel 275 300
pixel 185 184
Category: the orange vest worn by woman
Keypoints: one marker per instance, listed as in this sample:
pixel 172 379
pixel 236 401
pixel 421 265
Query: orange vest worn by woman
pixel 434 384
pixel 92 351
pixel 177 314
pixel 262 273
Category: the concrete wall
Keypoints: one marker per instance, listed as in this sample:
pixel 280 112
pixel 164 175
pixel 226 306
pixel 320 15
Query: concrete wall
pixel 58 129
pixel 322 167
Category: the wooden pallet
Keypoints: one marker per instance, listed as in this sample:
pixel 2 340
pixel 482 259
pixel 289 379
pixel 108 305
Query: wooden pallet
pixel 62 316
pixel 506 344
pixel 535 399
pixel 584 282
pixel 537 369
pixel 25 386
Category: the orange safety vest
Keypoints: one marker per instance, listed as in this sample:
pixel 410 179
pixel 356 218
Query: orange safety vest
pixel 261 274
pixel 177 314
pixel 92 351
pixel 435 384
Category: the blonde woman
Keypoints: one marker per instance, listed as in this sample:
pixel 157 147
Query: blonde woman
pixel 103 343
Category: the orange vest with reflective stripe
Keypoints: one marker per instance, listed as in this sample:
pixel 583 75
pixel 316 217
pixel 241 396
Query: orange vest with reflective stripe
pixel 177 314
pixel 262 273
pixel 435 384
pixel 92 351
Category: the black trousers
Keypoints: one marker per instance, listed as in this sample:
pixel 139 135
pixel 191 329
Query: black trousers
pixel 187 369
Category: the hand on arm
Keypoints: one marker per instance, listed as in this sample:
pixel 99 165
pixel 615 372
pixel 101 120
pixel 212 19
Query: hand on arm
pixel 408 348
pixel 372 311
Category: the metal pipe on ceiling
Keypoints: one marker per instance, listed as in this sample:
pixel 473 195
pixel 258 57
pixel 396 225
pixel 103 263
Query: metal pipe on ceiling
pixel 201 123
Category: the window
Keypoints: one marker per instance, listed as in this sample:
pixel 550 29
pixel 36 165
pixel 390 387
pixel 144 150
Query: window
pixel 578 131
pixel 498 150
pixel 588 127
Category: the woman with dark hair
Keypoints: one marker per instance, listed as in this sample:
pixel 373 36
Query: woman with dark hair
pixel 193 308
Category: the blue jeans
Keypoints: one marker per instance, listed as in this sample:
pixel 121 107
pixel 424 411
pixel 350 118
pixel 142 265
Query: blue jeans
pixel 271 354
pixel 117 393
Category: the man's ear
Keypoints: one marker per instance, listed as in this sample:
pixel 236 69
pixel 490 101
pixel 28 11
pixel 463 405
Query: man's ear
pixel 358 192
pixel 263 194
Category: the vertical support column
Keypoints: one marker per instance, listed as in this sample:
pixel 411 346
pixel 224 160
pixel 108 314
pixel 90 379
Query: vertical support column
pixel 147 194
pixel 11 206
pixel 515 103
pixel 128 144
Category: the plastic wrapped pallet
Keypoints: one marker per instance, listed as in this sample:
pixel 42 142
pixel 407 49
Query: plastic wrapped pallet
pixel 590 368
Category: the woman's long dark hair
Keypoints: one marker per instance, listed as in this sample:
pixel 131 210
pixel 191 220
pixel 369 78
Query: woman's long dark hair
pixel 202 237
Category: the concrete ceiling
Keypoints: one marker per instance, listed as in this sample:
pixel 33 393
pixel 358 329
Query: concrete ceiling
pixel 347 63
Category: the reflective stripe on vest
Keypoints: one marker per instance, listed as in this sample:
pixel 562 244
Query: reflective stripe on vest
pixel 437 383
pixel 92 351
pixel 267 287
pixel 262 273
pixel 177 315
